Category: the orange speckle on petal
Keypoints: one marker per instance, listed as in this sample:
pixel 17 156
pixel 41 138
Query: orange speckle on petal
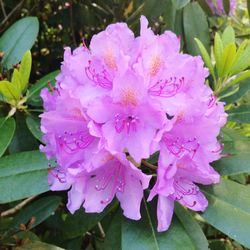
pixel 155 65
pixel 109 59
pixel 129 97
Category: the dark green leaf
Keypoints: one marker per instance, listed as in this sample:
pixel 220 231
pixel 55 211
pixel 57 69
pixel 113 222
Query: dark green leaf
pixel 40 210
pixel 204 5
pixel 180 3
pixel 7 128
pixel 34 91
pixel 226 5
pixel 229 210
pixel 248 7
pixel 80 222
pixel 194 29
pixel 236 147
pixel 142 234
pixel 192 227
pixel 240 114
pixel 19 38
pixel 33 124
pixel 38 245
pixel 23 175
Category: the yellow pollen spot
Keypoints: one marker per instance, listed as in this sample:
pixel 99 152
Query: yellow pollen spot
pixel 155 65
pixel 129 97
pixel 180 165
pixel 77 113
pixel 109 59
pixel 180 117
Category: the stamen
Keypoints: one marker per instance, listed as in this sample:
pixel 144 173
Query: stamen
pixel 116 178
pixel 57 173
pixel 101 79
pixel 72 142
pixel 211 101
pixel 167 88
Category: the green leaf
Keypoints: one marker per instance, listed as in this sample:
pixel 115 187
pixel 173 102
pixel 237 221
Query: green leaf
pixel 23 175
pixel 16 40
pixel 180 3
pixel 205 56
pixel 79 223
pixel 228 36
pixel 38 245
pixel 16 81
pixel 242 89
pixel 240 114
pixel 228 58
pixel 242 62
pixel 236 146
pixel 40 210
pixel 192 28
pixel 7 128
pixel 248 7
pixel 204 5
pixel 34 91
pixel 33 124
pixel 142 234
pixel 25 69
pixel 192 227
pixel 9 91
pixel 218 51
pixel 229 210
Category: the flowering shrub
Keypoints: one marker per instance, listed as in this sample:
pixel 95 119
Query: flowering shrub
pixel 98 108
pixel 140 140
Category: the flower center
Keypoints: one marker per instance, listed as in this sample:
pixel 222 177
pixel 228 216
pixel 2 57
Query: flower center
pixel 126 122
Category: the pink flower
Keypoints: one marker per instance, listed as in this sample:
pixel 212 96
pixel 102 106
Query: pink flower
pixel 218 8
pixel 115 176
pixel 133 96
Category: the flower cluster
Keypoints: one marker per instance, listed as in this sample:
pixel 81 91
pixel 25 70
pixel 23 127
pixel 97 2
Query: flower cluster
pixel 128 97
pixel 217 6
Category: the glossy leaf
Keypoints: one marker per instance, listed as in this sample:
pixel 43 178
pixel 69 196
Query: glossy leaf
pixel 192 227
pixel 79 223
pixel 142 234
pixel 229 210
pixel 33 124
pixel 38 245
pixel 23 175
pixel 240 114
pixel 7 128
pixel 218 52
pixel 16 40
pixel 236 148
pixel 228 57
pixel 9 91
pixel 38 211
pixel 194 29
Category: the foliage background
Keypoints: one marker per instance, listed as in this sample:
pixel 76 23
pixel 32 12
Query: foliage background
pixel 45 223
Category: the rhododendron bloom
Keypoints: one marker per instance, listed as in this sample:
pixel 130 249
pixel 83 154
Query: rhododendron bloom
pixel 120 101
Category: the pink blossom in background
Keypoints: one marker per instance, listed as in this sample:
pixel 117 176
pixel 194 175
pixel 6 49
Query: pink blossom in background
pixel 217 6
pixel 128 95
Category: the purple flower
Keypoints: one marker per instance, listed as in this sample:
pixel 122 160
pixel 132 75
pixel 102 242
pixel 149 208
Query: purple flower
pixel 131 96
pixel 217 6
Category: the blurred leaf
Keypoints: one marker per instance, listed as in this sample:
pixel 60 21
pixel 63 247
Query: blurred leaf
pixel 33 124
pixel 38 211
pixel 228 57
pixel 238 160
pixel 19 38
pixel 79 223
pixel 142 234
pixel 243 89
pixel 218 52
pixel 240 114
pixel 205 56
pixel 248 7
pixel 7 128
pixel 23 175
pixel 204 5
pixel 34 91
pixel 38 245
pixel 229 210
pixel 194 29
pixel 220 245
pixel 180 3
pixel 25 69
pixel 192 227
pixel 228 36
